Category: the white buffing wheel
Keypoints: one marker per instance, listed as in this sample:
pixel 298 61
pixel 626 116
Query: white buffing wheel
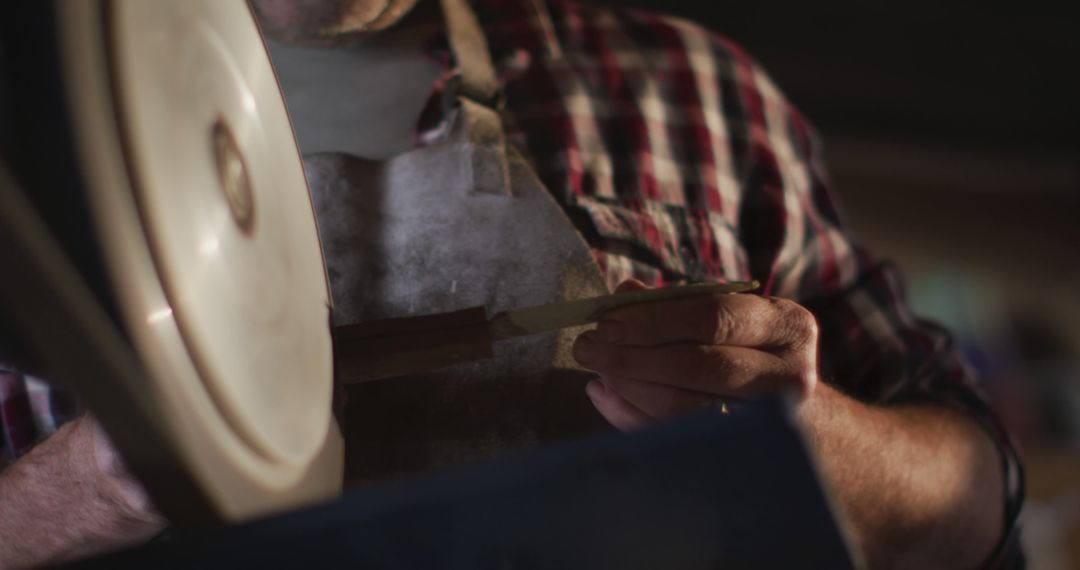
pixel 198 195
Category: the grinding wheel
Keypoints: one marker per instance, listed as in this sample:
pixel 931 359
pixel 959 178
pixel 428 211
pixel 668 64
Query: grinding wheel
pixel 198 202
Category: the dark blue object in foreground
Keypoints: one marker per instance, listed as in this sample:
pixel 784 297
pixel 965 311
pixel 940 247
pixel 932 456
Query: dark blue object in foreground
pixel 713 491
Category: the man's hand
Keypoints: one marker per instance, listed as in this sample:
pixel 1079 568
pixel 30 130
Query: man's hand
pixel 658 360
pixel 71 497
pixel 919 483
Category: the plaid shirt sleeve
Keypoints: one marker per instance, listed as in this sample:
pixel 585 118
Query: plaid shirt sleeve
pixel 680 160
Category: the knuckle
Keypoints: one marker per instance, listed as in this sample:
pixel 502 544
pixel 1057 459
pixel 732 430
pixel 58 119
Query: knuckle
pixel 806 326
pixel 801 353
pixel 799 322
pixel 719 321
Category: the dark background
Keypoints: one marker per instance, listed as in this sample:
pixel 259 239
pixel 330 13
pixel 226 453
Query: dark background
pixel 959 72
pixel 950 129
pixel 950 126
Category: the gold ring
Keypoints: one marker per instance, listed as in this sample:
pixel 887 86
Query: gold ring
pixel 718 403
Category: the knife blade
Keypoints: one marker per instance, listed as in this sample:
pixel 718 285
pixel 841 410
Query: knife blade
pixel 397 347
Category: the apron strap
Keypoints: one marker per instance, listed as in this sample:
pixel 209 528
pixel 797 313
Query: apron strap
pixel 477 123
pixel 478 79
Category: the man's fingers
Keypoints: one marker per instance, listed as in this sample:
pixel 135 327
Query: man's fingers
pixel 727 345
pixel 737 320
pixel 615 409
pixel 659 401
pixel 721 370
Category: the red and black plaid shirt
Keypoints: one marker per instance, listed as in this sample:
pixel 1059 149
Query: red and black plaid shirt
pixel 679 159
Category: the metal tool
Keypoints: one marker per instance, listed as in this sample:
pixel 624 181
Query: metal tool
pixel 397 347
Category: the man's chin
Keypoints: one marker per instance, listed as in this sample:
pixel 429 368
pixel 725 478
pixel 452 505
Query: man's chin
pixel 327 22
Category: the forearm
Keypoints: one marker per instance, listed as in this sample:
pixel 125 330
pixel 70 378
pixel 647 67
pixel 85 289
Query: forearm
pixel 57 504
pixel 921 484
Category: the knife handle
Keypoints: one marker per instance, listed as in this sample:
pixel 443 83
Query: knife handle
pixel 396 347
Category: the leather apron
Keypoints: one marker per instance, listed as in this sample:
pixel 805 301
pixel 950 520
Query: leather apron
pixel 455 225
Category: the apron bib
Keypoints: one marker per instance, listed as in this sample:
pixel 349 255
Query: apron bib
pixel 459 224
